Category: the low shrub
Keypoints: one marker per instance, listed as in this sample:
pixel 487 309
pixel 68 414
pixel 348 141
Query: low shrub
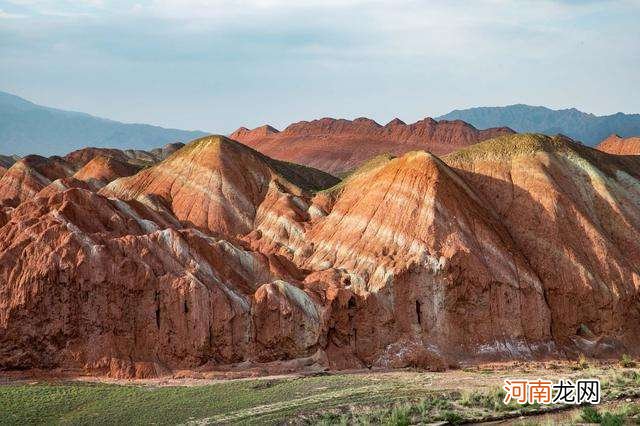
pixel 610 419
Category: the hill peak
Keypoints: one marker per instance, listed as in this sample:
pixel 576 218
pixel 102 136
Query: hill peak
pixel 102 169
pixel 618 145
pixel 243 134
pixel 395 122
pixel 509 146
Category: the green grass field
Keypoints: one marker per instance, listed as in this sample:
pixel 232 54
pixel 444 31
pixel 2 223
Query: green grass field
pixel 235 401
pixel 396 398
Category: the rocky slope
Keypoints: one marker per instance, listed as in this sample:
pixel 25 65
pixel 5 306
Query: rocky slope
pixel 217 185
pixel 22 179
pixel 131 156
pixel 338 146
pixel 520 247
pixel 574 213
pixel 7 161
pixel 615 144
pixel 26 177
pixel 100 171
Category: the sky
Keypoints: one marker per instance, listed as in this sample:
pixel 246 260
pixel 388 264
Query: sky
pixel 215 65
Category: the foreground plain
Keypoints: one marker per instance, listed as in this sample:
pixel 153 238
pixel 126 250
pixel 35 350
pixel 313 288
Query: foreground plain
pixel 401 397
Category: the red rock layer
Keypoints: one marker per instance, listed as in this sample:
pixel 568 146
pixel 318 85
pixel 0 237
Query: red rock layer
pixel 520 247
pixel 338 146
pixel 614 144
pixel 217 184
pixel 7 161
pixel 438 269
pixel 575 214
pixel 28 176
pixel 135 157
pixel 101 170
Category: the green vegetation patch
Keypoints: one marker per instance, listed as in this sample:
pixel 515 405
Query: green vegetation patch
pixel 244 401
pixel 508 146
pixel 398 398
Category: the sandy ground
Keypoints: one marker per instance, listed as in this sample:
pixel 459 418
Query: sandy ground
pixel 473 377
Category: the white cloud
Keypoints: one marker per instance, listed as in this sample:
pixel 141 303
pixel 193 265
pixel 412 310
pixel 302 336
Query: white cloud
pixel 349 54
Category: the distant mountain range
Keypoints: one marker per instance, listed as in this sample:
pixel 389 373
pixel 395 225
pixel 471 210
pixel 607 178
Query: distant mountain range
pixel 587 128
pixel 27 128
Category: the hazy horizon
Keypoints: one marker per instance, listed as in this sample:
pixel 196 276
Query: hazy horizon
pixel 280 128
pixel 218 65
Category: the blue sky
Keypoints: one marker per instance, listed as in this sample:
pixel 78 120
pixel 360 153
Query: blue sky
pixel 216 65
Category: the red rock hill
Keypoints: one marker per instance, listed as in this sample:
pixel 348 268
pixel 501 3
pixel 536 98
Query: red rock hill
pixel 614 144
pixel 337 145
pixel 519 247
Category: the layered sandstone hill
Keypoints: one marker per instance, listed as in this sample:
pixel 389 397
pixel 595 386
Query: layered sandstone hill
pixel 101 170
pixel 131 156
pixel 22 179
pixel 26 177
pixel 7 161
pixel 520 247
pixel 338 146
pixel 574 212
pixel 615 144
pixel 218 185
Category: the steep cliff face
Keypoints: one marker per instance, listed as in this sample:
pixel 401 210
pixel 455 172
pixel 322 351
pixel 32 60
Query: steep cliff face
pixel 338 146
pixel 615 144
pixel 519 247
pixel 123 288
pixel 104 284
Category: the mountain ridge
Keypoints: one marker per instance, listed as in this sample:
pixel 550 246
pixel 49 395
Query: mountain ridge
pixel 339 145
pixel 585 127
pixel 28 128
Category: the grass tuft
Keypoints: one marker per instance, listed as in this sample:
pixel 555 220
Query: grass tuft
pixel 590 415
pixel 452 417
pixel 400 416
pixel 582 363
pixel 610 419
pixel 626 361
